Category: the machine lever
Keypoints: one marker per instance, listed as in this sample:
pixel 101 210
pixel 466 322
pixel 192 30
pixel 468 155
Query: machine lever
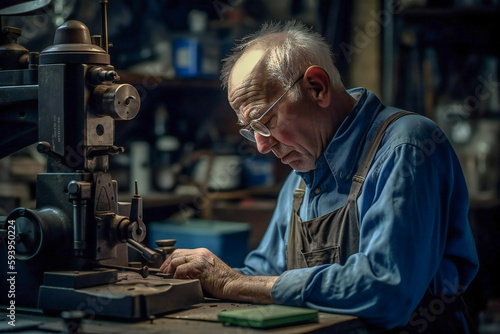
pixel 112 150
pixel 44 147
pixel 148 254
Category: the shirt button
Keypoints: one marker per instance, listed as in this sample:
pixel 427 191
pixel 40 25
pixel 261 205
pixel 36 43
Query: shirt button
pixel 317 191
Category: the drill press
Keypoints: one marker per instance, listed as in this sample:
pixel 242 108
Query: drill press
pixel 71 251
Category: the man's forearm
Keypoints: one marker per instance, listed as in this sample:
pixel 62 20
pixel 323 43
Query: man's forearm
pixel 253 289
pixel 217 278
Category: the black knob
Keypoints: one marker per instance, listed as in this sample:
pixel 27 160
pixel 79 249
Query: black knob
pixel 73 188
pixel 44 147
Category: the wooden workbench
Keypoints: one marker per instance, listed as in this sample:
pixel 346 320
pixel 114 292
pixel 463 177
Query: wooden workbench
pixel 199 319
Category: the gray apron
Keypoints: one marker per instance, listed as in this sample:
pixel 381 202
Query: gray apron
pixel 333 237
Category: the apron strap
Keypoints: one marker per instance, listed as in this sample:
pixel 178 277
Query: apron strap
pixel 364 167
pixel 298 195
pixel 342 225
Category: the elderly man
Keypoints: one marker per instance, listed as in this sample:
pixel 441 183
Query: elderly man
pixel 372 221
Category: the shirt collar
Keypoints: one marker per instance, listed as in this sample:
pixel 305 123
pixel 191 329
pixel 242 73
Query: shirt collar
pixel 346 147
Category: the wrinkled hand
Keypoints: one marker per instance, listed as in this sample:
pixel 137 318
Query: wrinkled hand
pixel 215 276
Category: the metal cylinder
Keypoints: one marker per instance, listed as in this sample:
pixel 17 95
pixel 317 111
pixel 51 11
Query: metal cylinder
pixel 37 231
pixel 121 102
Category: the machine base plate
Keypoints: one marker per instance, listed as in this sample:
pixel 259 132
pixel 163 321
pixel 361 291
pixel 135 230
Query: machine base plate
pixel 132 297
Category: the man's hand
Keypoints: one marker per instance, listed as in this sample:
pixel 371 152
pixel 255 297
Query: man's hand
pixel 217 278
pixel 202 264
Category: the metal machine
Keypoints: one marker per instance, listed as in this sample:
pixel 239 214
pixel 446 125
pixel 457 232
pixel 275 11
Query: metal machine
pixel 71 251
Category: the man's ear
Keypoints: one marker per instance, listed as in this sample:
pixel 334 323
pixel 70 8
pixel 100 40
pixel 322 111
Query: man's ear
pixel 319 85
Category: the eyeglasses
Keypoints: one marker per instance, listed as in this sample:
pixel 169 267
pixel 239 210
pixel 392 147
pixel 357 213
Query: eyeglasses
pixel 257 126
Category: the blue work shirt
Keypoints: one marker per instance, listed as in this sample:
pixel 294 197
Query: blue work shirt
pixel 414 230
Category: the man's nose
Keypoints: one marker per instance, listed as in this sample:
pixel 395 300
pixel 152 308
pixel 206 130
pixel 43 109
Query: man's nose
pixel 264 144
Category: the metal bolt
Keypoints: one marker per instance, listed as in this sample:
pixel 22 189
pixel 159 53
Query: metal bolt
pixel 127 100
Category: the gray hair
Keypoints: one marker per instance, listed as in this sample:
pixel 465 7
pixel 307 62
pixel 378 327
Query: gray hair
pixel 291 48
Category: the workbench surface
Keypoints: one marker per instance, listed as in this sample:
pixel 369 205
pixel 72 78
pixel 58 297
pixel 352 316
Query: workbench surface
pixel 199 319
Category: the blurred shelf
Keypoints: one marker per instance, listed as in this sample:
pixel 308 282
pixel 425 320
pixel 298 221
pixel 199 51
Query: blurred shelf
pixel 458 12
pixel 470 29
pixel 160 199
pixel 151 81
pixel 481 204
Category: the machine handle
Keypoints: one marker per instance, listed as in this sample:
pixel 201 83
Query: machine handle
pixel 111 150
pixel 148 254
pixel 44 147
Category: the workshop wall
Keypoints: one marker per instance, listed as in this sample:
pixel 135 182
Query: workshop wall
pixel 171 52
pixel 440 59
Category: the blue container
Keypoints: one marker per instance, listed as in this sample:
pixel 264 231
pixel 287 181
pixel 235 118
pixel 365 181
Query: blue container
pixel 227 240
pixel 187 57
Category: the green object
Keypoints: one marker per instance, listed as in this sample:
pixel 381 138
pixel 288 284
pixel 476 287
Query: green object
pixel 268 316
